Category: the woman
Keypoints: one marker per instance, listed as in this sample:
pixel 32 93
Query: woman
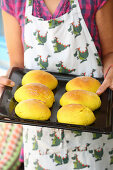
pixel 61 33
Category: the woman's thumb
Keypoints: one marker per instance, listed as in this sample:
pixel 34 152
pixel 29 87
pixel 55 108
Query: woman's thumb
pixel 102 88
pixel 6 82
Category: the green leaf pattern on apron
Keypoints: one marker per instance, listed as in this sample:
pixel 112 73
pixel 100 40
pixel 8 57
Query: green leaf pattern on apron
pixel 75 29
pixel 78 164
pixel 43 63
pixel 63 69
pixel 26 47
pixel 54 23
pixel 73 5
pixel 56 140
pixel 35 143
pixel 76 133
pixel 59 160
pixel 111 156
pixel 110 136
pixel 97 153
pixel 26 160
pixel 96 135
pixel 38 166
pixel 82 55
pixel 98 59
pixel 39 134
pixel 30 2
pixel 40 38
pixel 58 46
pixel 27 20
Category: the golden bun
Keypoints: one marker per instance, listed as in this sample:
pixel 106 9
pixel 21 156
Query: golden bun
pixel 83 83
pixel 35 91
pixel 75 114
pixel 39 76
pixel 32 109
pixel 86 98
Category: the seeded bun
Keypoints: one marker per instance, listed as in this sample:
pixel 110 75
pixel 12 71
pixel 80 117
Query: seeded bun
pixel 39 76
pixel 83 83
pixel 86 98
pixel 32 109
pixel 35 91
pixel 75 114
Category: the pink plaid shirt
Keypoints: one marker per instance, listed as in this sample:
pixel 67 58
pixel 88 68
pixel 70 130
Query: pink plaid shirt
pixel 41 10
pixel 88 9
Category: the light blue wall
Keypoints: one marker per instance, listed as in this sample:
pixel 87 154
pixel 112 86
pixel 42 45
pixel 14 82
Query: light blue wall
pixel 1 25
pixel 4 58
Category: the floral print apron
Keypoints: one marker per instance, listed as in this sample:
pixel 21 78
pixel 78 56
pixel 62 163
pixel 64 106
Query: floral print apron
pixel 63 45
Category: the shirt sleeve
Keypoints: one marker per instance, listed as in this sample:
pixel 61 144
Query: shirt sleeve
pixel 8 6
pixel 15 8
pixel 100 3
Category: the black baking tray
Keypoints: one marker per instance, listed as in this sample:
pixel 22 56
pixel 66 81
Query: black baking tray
pixel 104 115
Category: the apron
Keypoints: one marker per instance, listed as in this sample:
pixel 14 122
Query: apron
pixel 63 45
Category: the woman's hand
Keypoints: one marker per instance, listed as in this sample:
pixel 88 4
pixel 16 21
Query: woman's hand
pixel 104 21
pixel 107 83
pixel 4 81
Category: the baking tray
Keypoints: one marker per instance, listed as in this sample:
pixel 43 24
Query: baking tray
pixel 104 115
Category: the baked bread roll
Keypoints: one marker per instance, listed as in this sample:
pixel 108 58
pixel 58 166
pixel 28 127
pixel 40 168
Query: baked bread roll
pixel 83 83
pixel 39 76
pixel 35 91
pixel 75 114
pixel 86 98
pixel 32 109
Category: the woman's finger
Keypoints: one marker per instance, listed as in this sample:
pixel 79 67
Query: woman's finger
pixel 103 87
pixel 6 82
pixel 111 86
pixel 1 85
pixel 108 82
pixel 1 90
